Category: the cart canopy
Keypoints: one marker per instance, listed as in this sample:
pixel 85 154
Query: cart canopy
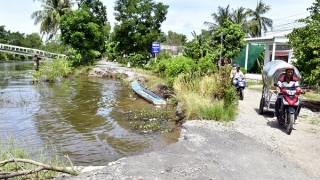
pixel 274 69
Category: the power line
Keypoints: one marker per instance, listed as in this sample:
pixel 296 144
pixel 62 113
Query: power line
pixel 295 22
pixel 290 16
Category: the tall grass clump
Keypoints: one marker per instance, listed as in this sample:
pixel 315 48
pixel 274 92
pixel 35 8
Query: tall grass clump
pixel 207 97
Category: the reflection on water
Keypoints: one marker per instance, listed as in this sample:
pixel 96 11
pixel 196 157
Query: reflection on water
pixel 85 117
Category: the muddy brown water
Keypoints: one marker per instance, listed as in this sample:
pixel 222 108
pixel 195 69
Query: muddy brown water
pixel 84 118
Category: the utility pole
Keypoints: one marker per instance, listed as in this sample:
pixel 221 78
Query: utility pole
pixel 221 39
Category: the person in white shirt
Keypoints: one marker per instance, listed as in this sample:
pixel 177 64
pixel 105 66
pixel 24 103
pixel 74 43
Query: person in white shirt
pixel 237 76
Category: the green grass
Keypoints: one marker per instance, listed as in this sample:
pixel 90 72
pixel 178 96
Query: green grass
pixel 205 98
pixel 303 116
pixel 315 122
pixel 11 148
pixel 251 82
pixel 216 111
pixel 312 96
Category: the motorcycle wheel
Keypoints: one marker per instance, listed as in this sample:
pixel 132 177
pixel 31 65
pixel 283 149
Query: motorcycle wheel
pixel 261 105
pixel 241 94
pixel 290 120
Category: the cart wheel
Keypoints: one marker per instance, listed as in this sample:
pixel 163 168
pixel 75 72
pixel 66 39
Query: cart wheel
pixel 261 105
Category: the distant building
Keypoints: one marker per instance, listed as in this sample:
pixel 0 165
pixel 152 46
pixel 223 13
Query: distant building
pixel 174 50
pixel 276 47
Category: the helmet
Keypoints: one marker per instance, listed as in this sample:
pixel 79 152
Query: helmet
pixel 290 67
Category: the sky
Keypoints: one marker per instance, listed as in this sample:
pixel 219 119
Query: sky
pixel 184 16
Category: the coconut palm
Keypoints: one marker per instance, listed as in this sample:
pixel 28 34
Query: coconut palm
pixel 49 16
pixel 258 21
pixel 223 15
pixel 240 16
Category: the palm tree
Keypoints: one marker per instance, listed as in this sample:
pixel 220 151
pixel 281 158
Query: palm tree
pixel 49 17
pixel 258 21
pixel 239 16
pixel 223 15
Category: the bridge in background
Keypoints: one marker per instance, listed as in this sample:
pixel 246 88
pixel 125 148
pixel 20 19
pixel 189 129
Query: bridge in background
pixel 29 51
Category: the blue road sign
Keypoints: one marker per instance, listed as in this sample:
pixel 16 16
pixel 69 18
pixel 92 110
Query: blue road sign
pixel 155 48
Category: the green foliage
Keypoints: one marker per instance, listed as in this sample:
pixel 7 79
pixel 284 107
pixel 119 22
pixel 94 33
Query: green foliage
pixel 175 39
pixel 233 39
pixel 82 71
pixel 193 50
pixel 49 17
pixel 163 55
pixel 252 21
pixel 202 45
pixel 111 50
pixel 305 42
pixel 74 59
pixel 15 38
pixel 139 24
pixel 96 7
pixel 177 66
pixel 258 22
pixel 51 70
pixel 160 67
pixel 79 30
pixel 243 70
pixel 206 65
pixel 33 41
pixel 55 46
pixel 136 60
pixel 4 56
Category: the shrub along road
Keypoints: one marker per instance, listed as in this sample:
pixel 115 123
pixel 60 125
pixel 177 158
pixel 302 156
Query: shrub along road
pixel 251 147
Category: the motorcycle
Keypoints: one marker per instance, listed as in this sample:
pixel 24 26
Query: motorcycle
pixel 240 85
pixel 289 107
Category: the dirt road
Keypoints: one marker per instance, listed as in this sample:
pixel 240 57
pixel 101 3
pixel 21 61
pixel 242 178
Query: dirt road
pixel 251 147
pixel 302 146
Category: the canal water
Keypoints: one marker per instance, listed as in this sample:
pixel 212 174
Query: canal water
pixel 84 118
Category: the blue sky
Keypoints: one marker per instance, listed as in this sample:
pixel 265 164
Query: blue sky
pixel 184 16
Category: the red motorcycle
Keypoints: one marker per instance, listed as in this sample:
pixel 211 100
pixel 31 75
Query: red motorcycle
pixel 289 107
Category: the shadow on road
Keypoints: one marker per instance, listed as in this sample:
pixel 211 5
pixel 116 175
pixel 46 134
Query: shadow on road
pixel 272 123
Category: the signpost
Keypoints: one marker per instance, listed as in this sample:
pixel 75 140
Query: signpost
pixel 155 49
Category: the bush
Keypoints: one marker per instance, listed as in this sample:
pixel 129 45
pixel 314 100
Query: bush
pixel 3 56
pixel 50 70
pixel 136 60
pixel 243 70
pixel 206 65
pixel 160 67
pixel 178 66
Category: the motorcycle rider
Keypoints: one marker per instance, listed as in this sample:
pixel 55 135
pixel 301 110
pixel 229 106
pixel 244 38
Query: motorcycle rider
pixel 287 80
pixel 237 75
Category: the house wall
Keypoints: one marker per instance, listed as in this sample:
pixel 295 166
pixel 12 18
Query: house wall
pixel 282 52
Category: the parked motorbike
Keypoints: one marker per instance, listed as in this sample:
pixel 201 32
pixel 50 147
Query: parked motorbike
pixel 240 85
pixel 289 107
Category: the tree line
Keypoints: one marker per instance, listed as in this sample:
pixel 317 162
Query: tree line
pixel 87 31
